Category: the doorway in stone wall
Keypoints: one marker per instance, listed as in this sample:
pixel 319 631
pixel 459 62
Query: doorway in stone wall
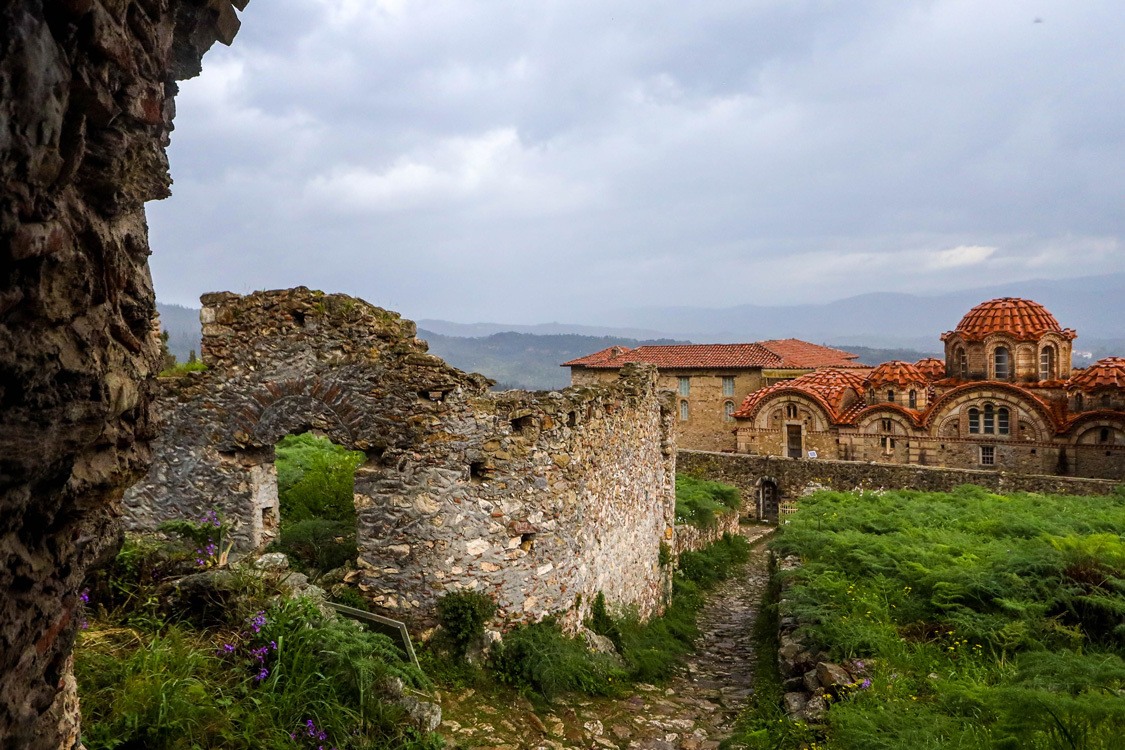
pixel 315 489
pixel 768 501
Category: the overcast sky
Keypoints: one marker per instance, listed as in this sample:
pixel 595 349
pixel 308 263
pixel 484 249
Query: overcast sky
pixel 542 160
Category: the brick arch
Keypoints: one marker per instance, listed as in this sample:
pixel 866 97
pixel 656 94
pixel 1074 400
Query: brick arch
pixel 813 401
pixel 887 410
pixel 1003 393
pixel 283 407
pixel 1094 421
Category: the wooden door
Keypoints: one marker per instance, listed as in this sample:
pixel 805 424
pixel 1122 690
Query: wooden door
pixel 793 440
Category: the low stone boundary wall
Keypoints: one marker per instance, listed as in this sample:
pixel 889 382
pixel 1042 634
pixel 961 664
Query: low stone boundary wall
pixel 692 538
pixel 795 477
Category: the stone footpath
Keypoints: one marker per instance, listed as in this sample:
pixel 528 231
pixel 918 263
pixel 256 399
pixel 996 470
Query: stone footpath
pixel 695 711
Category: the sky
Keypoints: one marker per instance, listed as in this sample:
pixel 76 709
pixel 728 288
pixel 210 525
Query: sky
pixel 561 160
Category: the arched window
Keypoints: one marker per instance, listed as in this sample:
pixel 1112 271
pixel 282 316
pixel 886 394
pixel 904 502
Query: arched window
pixel 791 411
pixel 1002 363
pixel 890 396
pixel 974 420
pixel 683 411
pixel 1104 435
pixel 1078 402
pixel 870 395
pixel 962 361
pixel 913 399
pixel 1002 421
pixel 989 419
pixel 1047 363
pixel 728 411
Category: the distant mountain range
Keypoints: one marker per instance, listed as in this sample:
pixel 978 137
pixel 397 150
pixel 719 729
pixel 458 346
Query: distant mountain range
pixel 878 327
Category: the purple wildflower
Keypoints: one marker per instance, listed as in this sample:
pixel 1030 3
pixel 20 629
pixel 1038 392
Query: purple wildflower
pixel 85 596
pixel 263 673
pixel 865 684
pixel 258 621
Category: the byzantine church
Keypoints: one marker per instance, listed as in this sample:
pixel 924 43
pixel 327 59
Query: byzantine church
pixel 1005 398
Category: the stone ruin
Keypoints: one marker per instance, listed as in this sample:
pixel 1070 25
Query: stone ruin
pixel 86 107
pixel 540 500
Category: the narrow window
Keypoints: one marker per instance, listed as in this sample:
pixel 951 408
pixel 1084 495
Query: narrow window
pixel 890 396
pixel 871 395
pixel 886 425
pixel 683 411
pixel 913 399
pixel 1106 401
pixel 685 386
pixel 728 411
pixel 1104 436
pixel 791 411
pixel 1002 424
pixel 1078 402
pixel 989 420
pixel 728 386
pixel 1001 363
pixel 987 455
pixel 962 363
pixel 974 420
pixel 1047 363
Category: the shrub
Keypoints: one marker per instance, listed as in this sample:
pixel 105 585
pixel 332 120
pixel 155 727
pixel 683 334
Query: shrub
pixel 463 615
pixel 542 658
pixel 318 544
pixel 698 501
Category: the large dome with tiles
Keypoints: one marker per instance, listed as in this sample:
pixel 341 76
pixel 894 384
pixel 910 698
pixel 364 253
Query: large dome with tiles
pixel 1021 319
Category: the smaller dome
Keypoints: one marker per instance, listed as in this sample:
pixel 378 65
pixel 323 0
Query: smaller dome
pixel 1022 319
pixel 1105 373
pixel 931 367
pixel 896 372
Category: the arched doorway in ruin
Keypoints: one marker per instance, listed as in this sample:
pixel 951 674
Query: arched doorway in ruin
pixel 769 499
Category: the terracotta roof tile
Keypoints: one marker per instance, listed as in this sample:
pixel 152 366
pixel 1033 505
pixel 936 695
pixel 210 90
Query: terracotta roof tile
pixel 828 386
pixel 932 367
pixel 1022 319
pixel 896 372
pixel 780 354
pixel 1105 373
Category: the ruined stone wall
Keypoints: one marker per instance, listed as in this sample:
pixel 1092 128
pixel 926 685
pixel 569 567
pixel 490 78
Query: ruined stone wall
pixel 86 106
pixel 692 538
pixel 795 476
pixel 539 500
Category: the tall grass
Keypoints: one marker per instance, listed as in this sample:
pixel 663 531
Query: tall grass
pixel 699 501
pixel 984 620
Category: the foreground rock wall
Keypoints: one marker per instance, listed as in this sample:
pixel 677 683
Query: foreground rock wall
pixel 539 500
pixel 86 105
pixel 795 477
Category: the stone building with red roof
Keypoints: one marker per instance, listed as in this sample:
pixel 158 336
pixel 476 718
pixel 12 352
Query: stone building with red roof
pixel 710 380
pixel 1006 398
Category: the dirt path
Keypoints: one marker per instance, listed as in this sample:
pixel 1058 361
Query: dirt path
pixel 693 712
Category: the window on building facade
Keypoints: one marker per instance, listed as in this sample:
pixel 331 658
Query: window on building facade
pixel 791 411
pixel 1002 421
pixel 987 455
pixel 890 396
pixel 974 420
pixel 871 395
pixel 989 419
pixel 1078 402
pixel 886 425
pixel 1047 363
pixel 962 360
pixel 1105 436
pixel 728 411
pixel 728 386
pixel 1001 363
pixel 685 386
pixel 683 411
pixel 913 399
pixel 1106 401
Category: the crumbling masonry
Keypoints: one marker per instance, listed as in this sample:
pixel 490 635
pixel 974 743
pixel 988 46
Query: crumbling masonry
pixel 540 500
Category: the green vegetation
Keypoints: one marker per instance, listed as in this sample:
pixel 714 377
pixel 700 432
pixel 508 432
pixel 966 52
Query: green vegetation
pixel 539 658
pixel 699 501
pixel 981 620
pixel 270 673
pixel 463 615
pixel 315 487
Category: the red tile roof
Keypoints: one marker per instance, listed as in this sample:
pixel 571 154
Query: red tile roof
pixel 1022 319
pixel 791 354
pixel 896 372
pixel 827 386
pixel 1105 373
pixel 932 367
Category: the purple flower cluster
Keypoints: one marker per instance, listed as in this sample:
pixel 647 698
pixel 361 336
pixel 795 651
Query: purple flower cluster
pixel 210 518
pixel 206 554
pixel 310 736
pixel 258 621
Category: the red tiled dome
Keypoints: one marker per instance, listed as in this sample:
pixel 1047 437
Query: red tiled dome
pixel 1021 319
pixel 1105 373
pixel 932 367
pixel 896 372
pixel 828 386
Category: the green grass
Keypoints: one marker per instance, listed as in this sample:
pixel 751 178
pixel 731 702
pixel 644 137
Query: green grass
pixel 183 368
pixel 984 621
pixel 699 501
pixel 151 679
